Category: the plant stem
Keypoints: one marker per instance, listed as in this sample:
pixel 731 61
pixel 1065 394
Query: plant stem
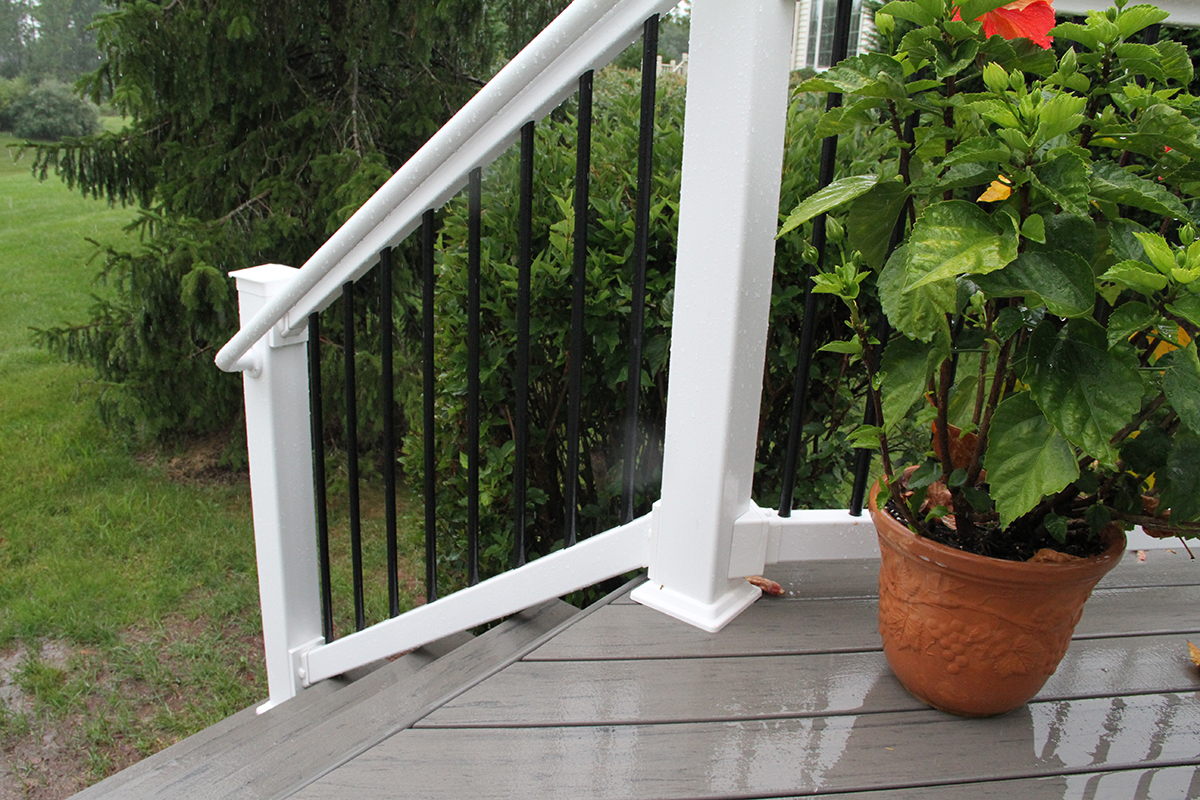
pixel 945 378
pixel 985 422
pixel 1124 433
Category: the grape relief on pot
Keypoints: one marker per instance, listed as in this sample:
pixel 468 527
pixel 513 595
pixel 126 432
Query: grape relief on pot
pixel 947 619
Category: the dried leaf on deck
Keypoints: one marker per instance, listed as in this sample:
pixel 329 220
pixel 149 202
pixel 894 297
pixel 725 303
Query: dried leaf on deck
pixel 767 585
pixel 1195 653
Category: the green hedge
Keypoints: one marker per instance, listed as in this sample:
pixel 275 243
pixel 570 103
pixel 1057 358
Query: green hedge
pixel 836 392
pixel 51 113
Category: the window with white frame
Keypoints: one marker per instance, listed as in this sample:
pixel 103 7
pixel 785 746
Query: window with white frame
pixel 814 32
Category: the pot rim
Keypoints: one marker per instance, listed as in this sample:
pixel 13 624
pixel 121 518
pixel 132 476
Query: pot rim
pixel 900 538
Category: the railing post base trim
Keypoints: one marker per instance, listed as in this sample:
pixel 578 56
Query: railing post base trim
pixel 710 617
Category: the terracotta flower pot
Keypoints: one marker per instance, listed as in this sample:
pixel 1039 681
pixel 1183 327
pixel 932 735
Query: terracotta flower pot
pixel 973 635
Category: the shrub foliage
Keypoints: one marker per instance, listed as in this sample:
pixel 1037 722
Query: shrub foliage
pixel 52 113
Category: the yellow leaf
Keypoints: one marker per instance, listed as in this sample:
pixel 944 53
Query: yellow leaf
pixel 999 190
pixel 1195 653
pixel 1166 347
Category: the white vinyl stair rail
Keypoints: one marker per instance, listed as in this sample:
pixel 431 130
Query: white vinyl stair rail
pixel 587 35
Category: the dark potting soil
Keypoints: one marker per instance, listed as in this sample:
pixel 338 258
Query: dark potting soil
pixel 1019 542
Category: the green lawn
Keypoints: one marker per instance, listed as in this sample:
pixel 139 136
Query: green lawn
pixel 94 538
pixel 128 598
pixel 128 595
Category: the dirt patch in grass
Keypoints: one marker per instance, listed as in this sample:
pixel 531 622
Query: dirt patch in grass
pixel 202 461
pixel 71 716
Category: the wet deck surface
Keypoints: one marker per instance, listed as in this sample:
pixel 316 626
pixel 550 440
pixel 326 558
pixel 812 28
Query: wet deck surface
pixel 794 699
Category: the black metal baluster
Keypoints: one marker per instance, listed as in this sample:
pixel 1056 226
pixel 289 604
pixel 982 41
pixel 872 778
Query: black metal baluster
pixel 316 421
pixel 863 455
pixel 389 428
pixel 841 39
pixel 862 463
pixel 427 243
pixel 360 619
pixel 583 161
pixel 524 269
pixel 474 226
pixel 641 239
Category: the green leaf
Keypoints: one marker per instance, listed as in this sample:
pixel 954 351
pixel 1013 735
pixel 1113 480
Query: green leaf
pixel 1175 61
pixel 908 365
pixel 997 111
pixel 864 436
pixel 910 11
pixel 872 218
pixel 1180 480
pixel 1127 319
pixel 1087 391
pixel 1135 275
pixel 1188 307
pixel 1034 228
pixel 1008 322
pixel 1077 33
pixel 918 43
pixel 1146 453
pixel 1056 526
pixel 924 475
pixel 962 175
pixel 974 9
pixel 1182 386
pixel 1060 279
pixel 1072 232
pixel 980 149
pixel 1065 180
pixel 919 314
pixel 1063 113
pixel 844 119
pixel 1157 250
pixel 850 346
pixel 955 238
pixel 1135 18
pixel 953 60
pixel 1111 182
pixel 1032 59
pixel 1140 59
pixel 1026 458
pixel 835 194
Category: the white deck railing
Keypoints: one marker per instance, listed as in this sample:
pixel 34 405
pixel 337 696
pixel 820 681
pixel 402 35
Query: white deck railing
pixel 704 534
pixel 736 109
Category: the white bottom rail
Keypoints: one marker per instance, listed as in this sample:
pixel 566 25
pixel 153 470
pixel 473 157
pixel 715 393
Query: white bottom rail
pixel 807 535
pixel 598 558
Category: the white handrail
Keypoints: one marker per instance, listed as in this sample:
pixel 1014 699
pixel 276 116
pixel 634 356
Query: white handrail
pixel 587 35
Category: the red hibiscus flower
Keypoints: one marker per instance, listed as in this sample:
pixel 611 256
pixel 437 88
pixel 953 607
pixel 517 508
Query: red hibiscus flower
pixel 1020 19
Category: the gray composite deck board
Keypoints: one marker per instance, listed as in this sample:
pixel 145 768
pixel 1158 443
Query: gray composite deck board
pixel 225 745
pixel 793 699
pixel 1159 783
pixel 802 625
pixel 759 758
pixel 692 690
pixel 262 756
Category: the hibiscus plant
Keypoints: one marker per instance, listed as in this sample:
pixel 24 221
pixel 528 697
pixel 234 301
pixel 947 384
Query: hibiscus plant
pixel 1041 283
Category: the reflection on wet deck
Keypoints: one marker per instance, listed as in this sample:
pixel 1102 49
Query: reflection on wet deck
pixel 794 699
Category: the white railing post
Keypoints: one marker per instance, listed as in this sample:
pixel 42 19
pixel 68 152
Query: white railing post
pixel 738 65
pixel 281 486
